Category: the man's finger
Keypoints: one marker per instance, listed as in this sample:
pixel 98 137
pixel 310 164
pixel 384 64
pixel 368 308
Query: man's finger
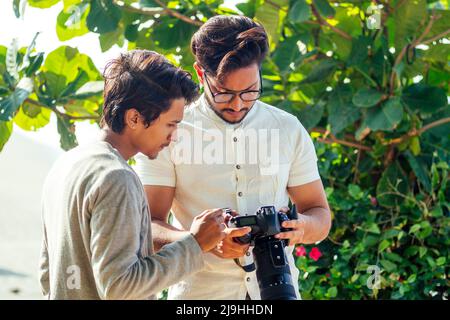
pixel 287 235
pixel 291 224
pixel 284 209
pixel 238 232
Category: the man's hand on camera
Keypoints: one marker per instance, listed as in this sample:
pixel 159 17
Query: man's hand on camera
pixel 228 248
pixel 298 226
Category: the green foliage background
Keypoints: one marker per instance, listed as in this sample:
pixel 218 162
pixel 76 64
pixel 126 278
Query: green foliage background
pixel 369 80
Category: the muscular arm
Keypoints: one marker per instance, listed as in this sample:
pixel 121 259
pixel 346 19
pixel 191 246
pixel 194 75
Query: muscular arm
pixel 314 212
pixel 160 201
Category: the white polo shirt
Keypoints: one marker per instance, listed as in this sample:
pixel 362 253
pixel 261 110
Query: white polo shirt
pixel 241 166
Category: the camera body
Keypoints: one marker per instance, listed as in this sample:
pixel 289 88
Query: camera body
pixel 271 264
pixel 266 222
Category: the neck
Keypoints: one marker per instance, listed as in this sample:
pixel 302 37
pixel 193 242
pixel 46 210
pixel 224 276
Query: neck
pixel 119 142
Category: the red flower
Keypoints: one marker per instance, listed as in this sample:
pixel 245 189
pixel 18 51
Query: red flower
pixel 315 254
pixel 300 251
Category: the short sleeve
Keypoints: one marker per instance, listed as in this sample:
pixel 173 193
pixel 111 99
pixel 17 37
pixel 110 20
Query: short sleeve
pixel 304 164
pixel 157 172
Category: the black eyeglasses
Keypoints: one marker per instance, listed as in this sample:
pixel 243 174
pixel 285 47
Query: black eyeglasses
pixel 246 95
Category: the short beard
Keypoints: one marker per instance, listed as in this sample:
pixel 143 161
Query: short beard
pixel 219 114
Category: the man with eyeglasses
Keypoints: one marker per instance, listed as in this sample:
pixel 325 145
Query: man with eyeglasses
pixel 233 151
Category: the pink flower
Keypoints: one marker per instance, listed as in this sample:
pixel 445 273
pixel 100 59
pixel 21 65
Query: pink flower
pixel 300 251
pixel 315 254
pixel 374 201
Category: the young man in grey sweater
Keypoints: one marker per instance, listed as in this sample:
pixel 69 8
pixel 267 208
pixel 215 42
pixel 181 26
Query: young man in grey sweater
pixel 97 240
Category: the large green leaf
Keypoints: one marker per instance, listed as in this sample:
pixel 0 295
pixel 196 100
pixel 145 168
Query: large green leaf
pixel 272 18
pixel 64 66
pixel 341 111
pixel 424 98
pixel 103 17
pixel 366 97
pixel 385 117
pixel 71 22
pixel 5 132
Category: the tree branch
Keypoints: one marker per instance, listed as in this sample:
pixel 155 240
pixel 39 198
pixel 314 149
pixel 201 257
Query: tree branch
pixel 415 133
pixel 59 113
pixel 436 37
pixel 324 22
pixel 333 139
pixel 152 11
pixel 178 15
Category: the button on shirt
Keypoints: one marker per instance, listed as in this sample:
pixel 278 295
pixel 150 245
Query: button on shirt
pixel 241 166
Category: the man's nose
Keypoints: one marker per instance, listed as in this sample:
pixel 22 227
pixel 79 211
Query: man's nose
pixel 173 136
pixel 236 104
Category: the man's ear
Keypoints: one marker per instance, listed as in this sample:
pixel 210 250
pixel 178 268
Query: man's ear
pixel 132 118
pixel 199 72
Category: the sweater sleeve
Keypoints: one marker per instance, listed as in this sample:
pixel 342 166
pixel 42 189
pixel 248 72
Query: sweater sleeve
pixel 120 271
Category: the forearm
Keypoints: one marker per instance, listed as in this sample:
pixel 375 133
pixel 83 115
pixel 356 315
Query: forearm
pixel 317 224
pixel 164 233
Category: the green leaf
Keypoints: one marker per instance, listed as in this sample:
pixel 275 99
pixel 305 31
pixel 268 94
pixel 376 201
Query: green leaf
pixel 359 51
pixel 419 170
pixel 320 71
pixel 10 104
pixel 272 18
pixel 388 265
pixel 386 117
pixel 440 261
pixel 171 33
pixel 42 3
pixel 341 111
pixel 355 191
pixel 88 90
pixel 5 133
pixel 324 8
pixel 71 22
pixel 31 117
pixel 311 114
pixel 366 97
pixel 383 245
pixel 287 52
pixel 66 130
pixel 62 67
pixel 300 11
pixel 414 145
pixel 426 99
pixel 332 292
pixel 373 228
pixel 103 17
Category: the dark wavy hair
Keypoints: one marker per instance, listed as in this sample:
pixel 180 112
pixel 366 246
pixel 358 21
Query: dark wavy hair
pixel 226 43
pixel 146 81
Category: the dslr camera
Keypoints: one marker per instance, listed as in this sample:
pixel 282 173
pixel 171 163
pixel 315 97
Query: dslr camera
pixel 271 264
